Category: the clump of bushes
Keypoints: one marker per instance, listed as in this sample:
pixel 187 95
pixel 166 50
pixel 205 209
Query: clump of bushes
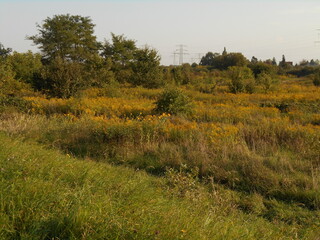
pixel 267 81
pixel 316 78
pixel 241 79
pixel 173 101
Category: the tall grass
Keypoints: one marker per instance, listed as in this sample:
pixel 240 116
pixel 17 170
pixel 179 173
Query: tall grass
pixel 258 153
pixel 46 195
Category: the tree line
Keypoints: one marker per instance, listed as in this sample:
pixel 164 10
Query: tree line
pixel 72 59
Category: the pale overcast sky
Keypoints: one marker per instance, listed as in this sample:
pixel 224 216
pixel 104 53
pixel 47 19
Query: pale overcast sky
pixel 263 29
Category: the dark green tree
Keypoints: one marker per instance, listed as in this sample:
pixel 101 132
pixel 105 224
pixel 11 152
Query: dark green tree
pixel 181 74
pixel 121 51
pixel 69 50
pixel 138 66
pixel 233 59
pixel 63 78
pixel 25 65
pixel 316 78
pixel 283 62
pixel 99 71
pixel 224 51
pixel 254 60
pixel 4 52
pixel 261 67
pixel 314 63
pixel 274 61
pixel 69 37
pixel 222 62
pixel 146 68
pixel 208 59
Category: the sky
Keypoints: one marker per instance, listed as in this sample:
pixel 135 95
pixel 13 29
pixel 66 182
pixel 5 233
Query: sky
pixel 264 29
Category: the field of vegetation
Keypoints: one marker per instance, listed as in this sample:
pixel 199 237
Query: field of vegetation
pixel 236 165
pixel 107 144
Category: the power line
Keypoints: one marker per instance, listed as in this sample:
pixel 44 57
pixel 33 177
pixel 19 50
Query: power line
pixel 181 51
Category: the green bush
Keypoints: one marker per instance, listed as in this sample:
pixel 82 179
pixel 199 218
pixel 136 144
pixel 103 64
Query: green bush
pixel 316 79
pixel 241 79
pixel 16 103
pixel 267 81
pixel 173 101
pixel 9 86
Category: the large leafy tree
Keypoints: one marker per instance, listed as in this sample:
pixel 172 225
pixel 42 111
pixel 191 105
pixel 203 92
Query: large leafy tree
pixel 121 51
pixel 146 68
pixel 224 61
pixel 138 66
pixel 69 53
pixel 208 59
pixel 67 37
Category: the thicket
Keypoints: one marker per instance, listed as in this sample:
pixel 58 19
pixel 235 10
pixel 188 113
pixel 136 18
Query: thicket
pixel 72 60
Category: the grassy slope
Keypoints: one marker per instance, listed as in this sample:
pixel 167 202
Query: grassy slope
pixel 47 195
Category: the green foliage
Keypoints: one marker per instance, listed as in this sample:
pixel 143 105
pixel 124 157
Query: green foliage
pixel 14 104
pixel 267 81
pixel 4 52
pixel 98 72
pixel 62 78
pixel 316 78
pixel 241 79
pixel 140 67
pixel 121 51
pixel 261 67
pixel 9 86
pixel 70 55
pixel 179 75
pixel 69 37
pixel 25 65
pixel 302 71
pixel 208 59
pixel 11 91
pixel 146 68
pixel 224 61
pixel 173 101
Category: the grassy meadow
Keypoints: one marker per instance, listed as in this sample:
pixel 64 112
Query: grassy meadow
pixel 105 165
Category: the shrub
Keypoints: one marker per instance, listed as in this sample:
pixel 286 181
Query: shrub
pixel 266 81
pixel 316 78
pixel 241 79
pixel 173 101
pixel 9 86
pixel 12 102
